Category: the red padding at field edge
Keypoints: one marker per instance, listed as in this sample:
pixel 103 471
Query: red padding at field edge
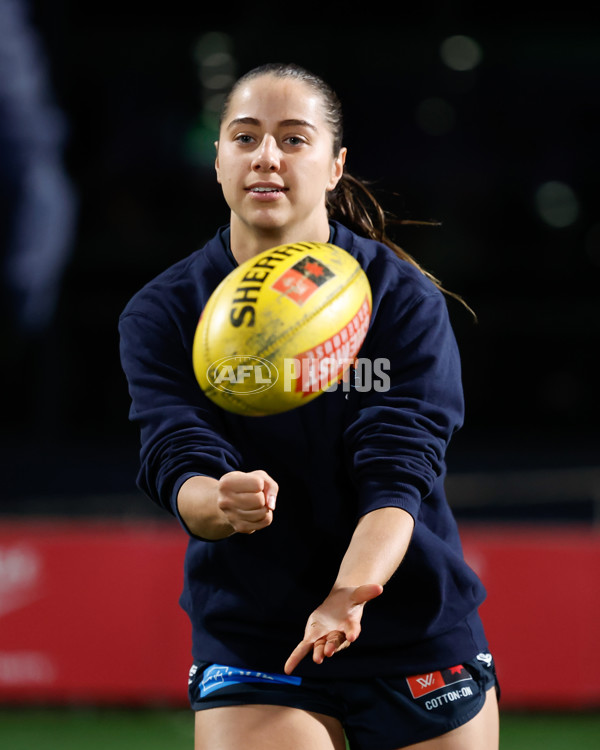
pixel 89 612
pixel 542 611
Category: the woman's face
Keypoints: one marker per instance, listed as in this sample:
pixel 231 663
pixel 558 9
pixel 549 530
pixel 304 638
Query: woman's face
pixel 275 160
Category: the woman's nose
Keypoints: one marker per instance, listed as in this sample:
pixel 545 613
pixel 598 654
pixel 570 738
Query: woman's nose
pixel 266 158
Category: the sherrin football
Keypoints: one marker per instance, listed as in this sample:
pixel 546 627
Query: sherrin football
pixel 281 328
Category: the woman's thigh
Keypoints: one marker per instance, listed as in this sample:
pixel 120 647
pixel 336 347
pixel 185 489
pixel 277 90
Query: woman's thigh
pixel 480 733
pixel 266 727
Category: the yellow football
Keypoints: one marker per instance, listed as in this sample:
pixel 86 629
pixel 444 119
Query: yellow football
pixel 281 328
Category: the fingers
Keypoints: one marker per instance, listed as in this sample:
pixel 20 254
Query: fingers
pixel 247 499
pixel 302 649
pixel 321 649
pixel 248 482
pixel 270 488
pixel 330 645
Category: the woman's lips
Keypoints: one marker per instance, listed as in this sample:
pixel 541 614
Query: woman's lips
pixel 266 192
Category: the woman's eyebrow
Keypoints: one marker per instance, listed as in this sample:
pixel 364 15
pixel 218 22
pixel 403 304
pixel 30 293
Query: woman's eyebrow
pixel 284 123
pixel 243 121
pixel 301 123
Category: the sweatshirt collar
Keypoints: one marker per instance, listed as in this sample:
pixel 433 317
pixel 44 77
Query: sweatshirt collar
pixel 225 237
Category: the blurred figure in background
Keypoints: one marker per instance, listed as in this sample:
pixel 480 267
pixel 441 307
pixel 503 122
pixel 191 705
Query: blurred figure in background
pixel 37 200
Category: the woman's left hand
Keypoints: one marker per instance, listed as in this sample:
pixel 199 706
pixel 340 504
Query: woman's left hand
pixel 334 625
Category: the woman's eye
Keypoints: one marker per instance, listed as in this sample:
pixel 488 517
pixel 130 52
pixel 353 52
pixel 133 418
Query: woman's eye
pixel 243 138
pixel 294 140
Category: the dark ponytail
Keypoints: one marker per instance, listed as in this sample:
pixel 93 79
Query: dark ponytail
pixel 355 206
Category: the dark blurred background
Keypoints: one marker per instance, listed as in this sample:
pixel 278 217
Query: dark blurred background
pixel 489 127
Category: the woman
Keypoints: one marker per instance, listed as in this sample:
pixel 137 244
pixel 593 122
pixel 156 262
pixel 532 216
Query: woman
pixel 331 517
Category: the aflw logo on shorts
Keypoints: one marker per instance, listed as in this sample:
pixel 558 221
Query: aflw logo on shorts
pixel 422 684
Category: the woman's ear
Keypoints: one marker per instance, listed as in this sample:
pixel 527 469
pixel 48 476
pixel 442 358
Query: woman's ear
pixel 337 169
pixel 217 161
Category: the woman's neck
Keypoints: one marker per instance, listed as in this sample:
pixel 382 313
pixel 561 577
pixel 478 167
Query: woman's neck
pixel 246 244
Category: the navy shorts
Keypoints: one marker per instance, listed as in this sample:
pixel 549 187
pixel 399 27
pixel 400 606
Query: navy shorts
pixel 376 713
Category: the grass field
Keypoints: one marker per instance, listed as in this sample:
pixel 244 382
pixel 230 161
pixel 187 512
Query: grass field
pixel 113 729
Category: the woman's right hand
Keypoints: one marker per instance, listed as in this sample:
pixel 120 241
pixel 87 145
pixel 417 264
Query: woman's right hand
pixel 239 502
pixel 247 500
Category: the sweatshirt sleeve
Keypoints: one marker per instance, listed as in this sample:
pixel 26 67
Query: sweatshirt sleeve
pixel 180 431
pixel 397 437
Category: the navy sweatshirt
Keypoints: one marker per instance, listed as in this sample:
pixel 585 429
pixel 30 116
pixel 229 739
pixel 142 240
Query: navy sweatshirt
pixel 336 458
